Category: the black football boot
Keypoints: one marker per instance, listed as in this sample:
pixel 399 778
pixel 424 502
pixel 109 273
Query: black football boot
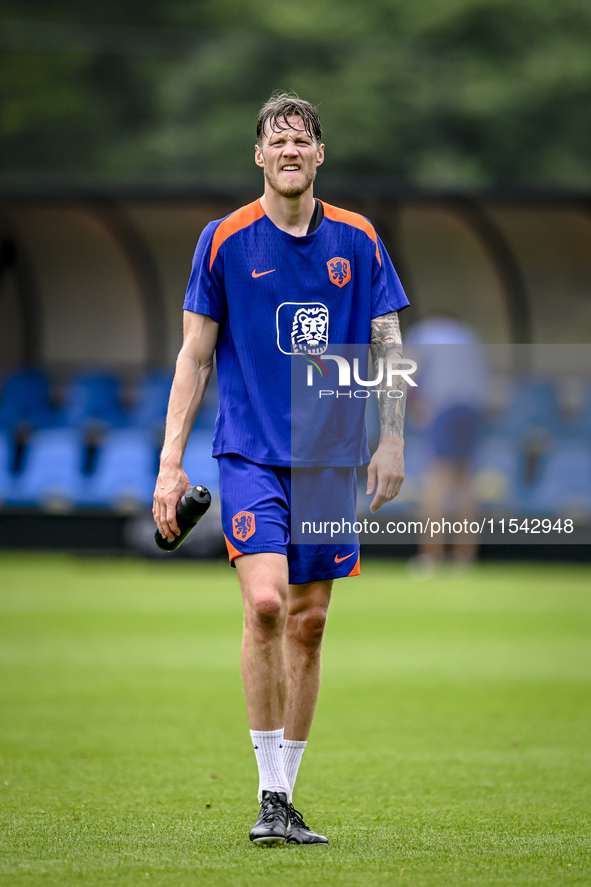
pixel 299 832
pixel 272 825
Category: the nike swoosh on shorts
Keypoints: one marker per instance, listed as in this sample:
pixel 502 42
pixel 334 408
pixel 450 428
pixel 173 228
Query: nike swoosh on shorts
pixel 261 273
pixel 338 559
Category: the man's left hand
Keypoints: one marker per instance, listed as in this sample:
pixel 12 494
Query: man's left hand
pixel 385 473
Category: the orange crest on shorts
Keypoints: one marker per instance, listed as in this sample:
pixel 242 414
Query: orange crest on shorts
pixel 243 525
pixel 339 271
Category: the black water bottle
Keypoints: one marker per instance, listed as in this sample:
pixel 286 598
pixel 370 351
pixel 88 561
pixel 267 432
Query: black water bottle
pixel 189 510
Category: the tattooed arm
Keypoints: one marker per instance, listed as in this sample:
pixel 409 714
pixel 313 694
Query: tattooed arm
pixel 386 469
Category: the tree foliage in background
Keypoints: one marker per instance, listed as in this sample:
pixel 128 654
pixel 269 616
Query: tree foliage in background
pixel 462 93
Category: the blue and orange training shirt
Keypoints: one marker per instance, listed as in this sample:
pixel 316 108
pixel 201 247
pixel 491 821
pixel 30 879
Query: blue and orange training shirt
pixel 282 302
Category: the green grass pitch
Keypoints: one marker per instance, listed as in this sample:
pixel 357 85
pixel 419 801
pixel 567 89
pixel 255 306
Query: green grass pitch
pixel 451 744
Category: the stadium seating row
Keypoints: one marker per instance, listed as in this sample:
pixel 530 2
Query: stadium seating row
pixel 507 478
pixel 92 453
pixel 92 400
pixel 53 475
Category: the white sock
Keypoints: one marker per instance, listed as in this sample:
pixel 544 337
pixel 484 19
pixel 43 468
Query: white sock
pixel 293 752
pixel 268 748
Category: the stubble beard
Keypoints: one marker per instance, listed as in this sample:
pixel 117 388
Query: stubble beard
pixel 289 190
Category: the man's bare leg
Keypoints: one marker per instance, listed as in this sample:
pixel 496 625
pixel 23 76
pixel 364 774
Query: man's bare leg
pixel 283 630
pixel 264 586
pixel 449 495
pixel 307 609
pixel 281 647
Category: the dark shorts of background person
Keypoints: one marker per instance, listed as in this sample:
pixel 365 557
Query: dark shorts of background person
pixel 456 432
pixel 259 503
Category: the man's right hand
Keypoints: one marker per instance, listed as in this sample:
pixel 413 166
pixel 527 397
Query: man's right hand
pixel 170 486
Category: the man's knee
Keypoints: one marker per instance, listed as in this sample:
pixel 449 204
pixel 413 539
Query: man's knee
pixel 263 582
pixel 267 610
pixel 307 626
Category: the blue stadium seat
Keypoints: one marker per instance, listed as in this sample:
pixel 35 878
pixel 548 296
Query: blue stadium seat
pixel 92 402
pixel 149 409
pixel 25 399
pixel 6 477
pixel 532 404
pixel 564 487
pixel 52 475
pixel 125 471
pixel 199 464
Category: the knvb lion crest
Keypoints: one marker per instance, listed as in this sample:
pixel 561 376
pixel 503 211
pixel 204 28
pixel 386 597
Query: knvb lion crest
pixel 339 271
pixel 309 333
pixel 243 525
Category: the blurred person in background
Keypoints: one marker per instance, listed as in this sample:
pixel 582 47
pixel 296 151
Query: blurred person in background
pixel 448 403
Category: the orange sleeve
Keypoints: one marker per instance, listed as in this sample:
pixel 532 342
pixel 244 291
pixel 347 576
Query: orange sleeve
pixel 242 218
pixel 343 215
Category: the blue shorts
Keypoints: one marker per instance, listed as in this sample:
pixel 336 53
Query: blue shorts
pixel 456 431
pixel 257 502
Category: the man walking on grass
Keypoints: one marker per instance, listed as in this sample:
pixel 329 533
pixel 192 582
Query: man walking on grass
pixel 277 282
